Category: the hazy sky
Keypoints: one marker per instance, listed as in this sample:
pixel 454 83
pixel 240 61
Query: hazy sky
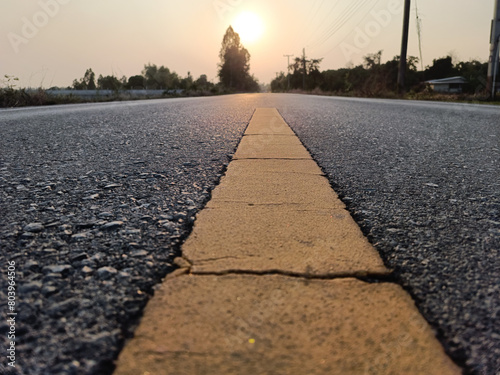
pixel 52 42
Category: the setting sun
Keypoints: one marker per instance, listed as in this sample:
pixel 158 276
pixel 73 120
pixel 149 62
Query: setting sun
pixel 249 26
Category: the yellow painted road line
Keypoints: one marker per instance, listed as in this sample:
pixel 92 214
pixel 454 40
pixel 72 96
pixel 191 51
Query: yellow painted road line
pixel 269 281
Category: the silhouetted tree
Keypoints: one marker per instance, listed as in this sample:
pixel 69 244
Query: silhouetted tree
pixel 474 72
pixel 334 80
pixel 87 82
pixel 280 83
pixel 314 77
pixel 186 83
pixel 202 82
pixel 372 78
pixel 160 78
pixel 234 66
pixel 441 68
pixel 109 83
pixel 372 60
pixel 136 82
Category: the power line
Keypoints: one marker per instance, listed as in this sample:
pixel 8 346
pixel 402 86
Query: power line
pixel 310 10
pixel 345 17
pixel 336 45
pixel 324 19
pixel 314 12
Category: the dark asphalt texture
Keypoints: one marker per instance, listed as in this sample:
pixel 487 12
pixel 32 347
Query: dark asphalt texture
pixel 423 182
pixel 115 188
pixel 95 199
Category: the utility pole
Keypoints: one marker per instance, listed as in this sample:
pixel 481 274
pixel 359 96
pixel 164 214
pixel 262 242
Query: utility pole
pixel 304 67
pixel 494 52
pixel 288 69
pixel 404 48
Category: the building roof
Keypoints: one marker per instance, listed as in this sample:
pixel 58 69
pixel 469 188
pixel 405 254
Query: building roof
pixel 449 80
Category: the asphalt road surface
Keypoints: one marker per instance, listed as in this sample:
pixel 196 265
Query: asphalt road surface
pixel 95 200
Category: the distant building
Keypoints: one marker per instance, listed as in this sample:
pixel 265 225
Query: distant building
pixel 452 85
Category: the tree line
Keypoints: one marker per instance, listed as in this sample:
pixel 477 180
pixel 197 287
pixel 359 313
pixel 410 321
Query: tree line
pixel 152 77
pixel 373 78
pixel 233 72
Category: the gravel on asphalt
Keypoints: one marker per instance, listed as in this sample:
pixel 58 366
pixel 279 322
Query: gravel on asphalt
pixel 96 198
pixel 94 202
pixel 423 182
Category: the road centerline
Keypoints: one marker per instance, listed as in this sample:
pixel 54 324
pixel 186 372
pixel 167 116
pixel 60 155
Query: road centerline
pixel 226 312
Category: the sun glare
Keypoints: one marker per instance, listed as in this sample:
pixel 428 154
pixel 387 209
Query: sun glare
pixel 249 26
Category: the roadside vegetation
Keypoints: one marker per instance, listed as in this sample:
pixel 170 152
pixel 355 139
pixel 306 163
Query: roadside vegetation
pixel 152 77
pixel 159 81
pixel 374 79
pixel 234 66
pixel 153 82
